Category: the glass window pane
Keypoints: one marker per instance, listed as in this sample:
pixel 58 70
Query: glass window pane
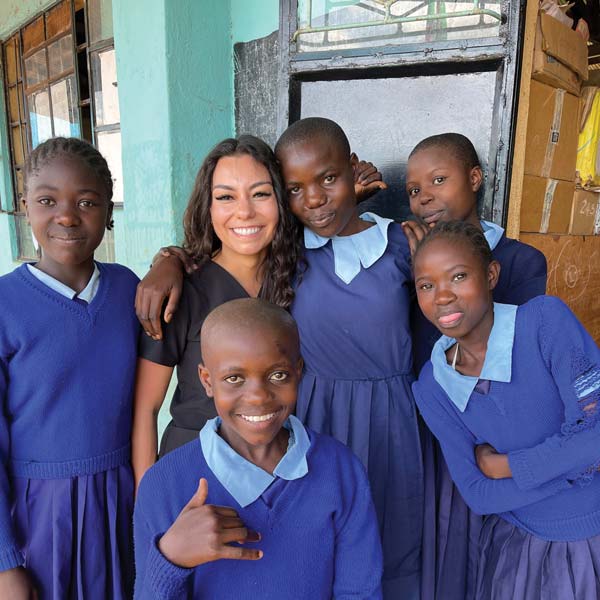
pixel 39 117
pixel 105 252
pixel 35 68
pixel 27 249
pixel 58 19
pixel 18 147
pixel 13 105
pixel 346 24
pixel 99 20
pixel 64 108
pixel 60 56
pixel 109 145
pixel 106 95
pixel 33 35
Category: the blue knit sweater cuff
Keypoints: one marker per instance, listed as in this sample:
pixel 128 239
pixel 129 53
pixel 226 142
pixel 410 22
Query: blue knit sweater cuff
pixel 522 474
pixel 166 580
pixel 10 559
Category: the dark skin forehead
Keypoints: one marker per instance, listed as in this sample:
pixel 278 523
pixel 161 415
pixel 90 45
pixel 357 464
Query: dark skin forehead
pixel 440 243
pixel 319 148
pixel 220 334
pixel 66 169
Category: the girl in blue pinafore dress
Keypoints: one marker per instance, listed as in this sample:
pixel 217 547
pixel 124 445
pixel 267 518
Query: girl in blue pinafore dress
pixel 352 309
pixel 68 345
pixel 511 393
pixel 443 179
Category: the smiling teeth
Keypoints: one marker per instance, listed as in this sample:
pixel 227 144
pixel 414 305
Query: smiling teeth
pixel 258 419
pixel 246 230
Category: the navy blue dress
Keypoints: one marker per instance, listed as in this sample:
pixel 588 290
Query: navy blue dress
pixel 451 535
pixel 356 344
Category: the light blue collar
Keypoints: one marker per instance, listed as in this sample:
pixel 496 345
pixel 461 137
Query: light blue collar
pixel 496 366
pixel 87 293
pixel 244 480
pixel 351 251
pixel 493 233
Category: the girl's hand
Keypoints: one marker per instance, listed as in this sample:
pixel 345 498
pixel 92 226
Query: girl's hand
pixel 367 179
pixel 203 533
pixel 415 231
pixel 164 280
pixel 16 585
pixel 492 464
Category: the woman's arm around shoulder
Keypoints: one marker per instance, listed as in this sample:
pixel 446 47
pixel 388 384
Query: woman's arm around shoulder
pixel 164 281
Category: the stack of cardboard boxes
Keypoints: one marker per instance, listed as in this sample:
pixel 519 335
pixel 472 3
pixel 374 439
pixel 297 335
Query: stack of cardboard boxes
pixel 551 203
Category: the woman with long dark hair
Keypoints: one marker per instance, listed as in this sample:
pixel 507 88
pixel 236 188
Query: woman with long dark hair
pixel 245 241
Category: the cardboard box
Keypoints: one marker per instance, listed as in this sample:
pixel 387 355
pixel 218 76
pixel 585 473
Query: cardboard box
pixel 552 133
pixel 560 56
pixel 546 205
pixel 583 212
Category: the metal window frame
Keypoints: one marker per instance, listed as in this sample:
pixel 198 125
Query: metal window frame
pixel 500 54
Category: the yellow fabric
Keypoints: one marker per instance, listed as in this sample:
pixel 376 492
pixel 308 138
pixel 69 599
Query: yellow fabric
pixel 587 149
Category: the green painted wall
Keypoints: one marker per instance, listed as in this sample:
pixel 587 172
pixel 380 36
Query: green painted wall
pixel 253 19
pixel 175 98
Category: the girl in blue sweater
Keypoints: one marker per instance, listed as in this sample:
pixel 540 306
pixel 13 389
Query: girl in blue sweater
pixel 68 337
pixel 443 179
pixel 511 393
pixel 280 512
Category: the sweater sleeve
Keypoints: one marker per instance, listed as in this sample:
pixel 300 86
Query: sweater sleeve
pixel 156 577
pixel 573 360
pixel 482 494
pixel 10 555
pixel 358 555
pixel 529 277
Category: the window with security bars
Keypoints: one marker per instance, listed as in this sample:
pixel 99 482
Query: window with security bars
pixel 60 80
pixel 350 24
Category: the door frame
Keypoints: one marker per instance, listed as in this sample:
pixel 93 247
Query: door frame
pixel 501 54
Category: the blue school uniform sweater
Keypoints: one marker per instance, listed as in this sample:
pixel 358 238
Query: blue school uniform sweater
pixel 66 383
pixel 523 274
pixel 537 418
pixel 319 534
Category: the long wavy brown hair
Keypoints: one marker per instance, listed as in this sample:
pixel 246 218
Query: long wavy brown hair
pixel 279 267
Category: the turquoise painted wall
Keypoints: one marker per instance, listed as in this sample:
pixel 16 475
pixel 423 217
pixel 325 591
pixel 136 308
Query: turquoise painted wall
pixel 253 19
pixel 175 96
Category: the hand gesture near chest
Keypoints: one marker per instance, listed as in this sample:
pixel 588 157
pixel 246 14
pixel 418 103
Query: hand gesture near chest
pixel 203 533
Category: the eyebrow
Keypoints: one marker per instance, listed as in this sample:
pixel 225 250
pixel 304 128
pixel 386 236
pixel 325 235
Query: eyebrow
pixel 446 271
pixel 228 187
pixel 44 186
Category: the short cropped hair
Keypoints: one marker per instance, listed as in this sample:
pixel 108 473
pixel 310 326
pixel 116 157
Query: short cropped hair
pixel 310 129
pixel 459 231
pixel 456 144
pixel 249 313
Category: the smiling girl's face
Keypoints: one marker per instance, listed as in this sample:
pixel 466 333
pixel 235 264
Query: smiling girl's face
pixel 454 287
pixel 243 208
pixel 440 187
pixel 68 208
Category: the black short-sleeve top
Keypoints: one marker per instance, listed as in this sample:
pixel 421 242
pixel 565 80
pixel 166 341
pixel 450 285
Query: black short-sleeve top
pixel 203 291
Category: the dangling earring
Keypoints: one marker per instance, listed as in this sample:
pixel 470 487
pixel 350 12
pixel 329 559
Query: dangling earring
pixel 110 225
